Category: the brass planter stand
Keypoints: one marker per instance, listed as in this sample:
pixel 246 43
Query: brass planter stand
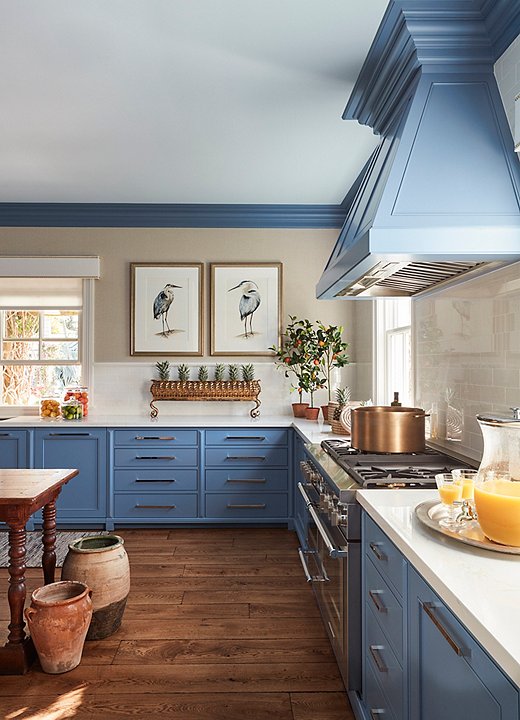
pixel 242 390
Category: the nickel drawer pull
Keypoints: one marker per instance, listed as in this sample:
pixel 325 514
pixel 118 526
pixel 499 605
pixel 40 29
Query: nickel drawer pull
pixel 251 481
pixel 374 596
pixel 252 506
pixel 155 457
pixel 246 437
pixel 5 434
pixel 152 480
pixel 429 609
pixel 71 434
pixel 153 437
pixel 245 457
pixel 380 555
pixel 375 651
pixel 375 713
pixel 155 507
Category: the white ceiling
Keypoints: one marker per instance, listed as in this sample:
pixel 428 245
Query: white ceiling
pixel 181 101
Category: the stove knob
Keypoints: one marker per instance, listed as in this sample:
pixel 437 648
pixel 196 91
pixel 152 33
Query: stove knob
pixel 324 501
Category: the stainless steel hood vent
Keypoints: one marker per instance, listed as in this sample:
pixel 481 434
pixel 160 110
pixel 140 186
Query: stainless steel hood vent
pixel 438 201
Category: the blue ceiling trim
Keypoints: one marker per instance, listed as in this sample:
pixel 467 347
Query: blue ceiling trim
pixel 170 215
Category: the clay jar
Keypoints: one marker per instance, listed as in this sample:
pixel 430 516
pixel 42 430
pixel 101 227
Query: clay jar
pixel 101 563
pixel 58 619
pixel 299 409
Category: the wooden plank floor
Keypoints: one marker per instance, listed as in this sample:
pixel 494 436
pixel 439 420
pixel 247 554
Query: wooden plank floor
pixel 220 624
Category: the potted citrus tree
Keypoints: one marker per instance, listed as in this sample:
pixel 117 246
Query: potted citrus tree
pixel 332 354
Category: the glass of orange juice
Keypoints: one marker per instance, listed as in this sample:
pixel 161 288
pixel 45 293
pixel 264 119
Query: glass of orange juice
pixel 467 477
pixel 450 492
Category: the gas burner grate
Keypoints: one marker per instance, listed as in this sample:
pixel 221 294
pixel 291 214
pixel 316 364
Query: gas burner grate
pixel 389 473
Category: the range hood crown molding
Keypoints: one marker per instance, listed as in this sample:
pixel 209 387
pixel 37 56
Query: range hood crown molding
pixel 439 199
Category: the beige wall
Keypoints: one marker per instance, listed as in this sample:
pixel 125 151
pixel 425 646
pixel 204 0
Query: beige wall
pixel 302 252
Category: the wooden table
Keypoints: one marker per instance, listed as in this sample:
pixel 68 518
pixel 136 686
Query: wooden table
pixel 23 492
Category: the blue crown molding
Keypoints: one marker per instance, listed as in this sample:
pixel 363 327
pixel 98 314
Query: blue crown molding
pixel 422 35
pixel 157 215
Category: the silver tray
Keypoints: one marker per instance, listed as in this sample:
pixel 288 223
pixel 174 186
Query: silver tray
pixel 468 531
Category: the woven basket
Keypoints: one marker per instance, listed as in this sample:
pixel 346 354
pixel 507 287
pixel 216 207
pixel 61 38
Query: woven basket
pixel 338 429
pixel 244 390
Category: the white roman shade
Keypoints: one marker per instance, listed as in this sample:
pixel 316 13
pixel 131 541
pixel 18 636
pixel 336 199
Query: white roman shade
pixel 40 293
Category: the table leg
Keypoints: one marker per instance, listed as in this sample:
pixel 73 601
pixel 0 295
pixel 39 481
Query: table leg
pixel 16 592
pixel 49 541
pixel 18 653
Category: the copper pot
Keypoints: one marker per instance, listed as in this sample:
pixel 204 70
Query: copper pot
pixel 385 429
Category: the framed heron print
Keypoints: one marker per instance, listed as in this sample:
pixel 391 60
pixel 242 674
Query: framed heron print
pixel 166 308
pixel 246 308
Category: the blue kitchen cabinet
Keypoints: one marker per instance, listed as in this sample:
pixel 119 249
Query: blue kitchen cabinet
pixel 300 508
pixel 155 476
pixel 246 475
pixel 83 500
pixel 451 676
pixel 14 448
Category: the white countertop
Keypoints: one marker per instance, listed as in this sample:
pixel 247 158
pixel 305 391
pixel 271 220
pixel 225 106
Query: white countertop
pixel 311 432
pixel 482 588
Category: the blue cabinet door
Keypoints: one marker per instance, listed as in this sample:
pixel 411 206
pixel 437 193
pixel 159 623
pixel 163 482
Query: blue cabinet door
pixel 451 676
pixel 13 449
pixel 84 496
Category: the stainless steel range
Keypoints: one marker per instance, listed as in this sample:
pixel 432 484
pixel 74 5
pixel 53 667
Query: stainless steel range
pixel 331 555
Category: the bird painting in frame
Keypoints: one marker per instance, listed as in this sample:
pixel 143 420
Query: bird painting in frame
pixel 161 307
pixel 248 304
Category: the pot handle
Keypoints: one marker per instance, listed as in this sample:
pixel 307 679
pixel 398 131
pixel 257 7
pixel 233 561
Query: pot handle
pixel 424 415
pixel 29 612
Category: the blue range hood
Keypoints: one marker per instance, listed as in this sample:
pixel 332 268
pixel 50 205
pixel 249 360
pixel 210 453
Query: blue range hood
pixel 439 199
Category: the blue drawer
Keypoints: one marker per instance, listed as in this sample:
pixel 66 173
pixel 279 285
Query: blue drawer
pixel 155 505
pixel 386 608
pixel 375 701
pixel 381 659
pixel 156 457
pixel 156 437
pixel 243 457
pixel 249 479
pixel 246 505
pixel 246 436
pixel 149 479
pixel 385 556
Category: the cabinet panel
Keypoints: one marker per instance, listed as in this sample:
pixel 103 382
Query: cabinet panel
pixel 156 437
pixel 247 436
pixel 156 457
pixel 13 449
pixel 450 673
pixel 84 497
pixel 380 656
pixel 385 606
pixel 385 556
pixel 149 479
pixel 246 505
pixel 243 457
pixel 246 479
pixel 377 705
pixel 166 506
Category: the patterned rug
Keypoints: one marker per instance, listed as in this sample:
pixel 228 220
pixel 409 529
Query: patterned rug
pixel 34 546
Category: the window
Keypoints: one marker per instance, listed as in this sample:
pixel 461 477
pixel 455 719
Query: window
pixel 42 337
pixel 393 366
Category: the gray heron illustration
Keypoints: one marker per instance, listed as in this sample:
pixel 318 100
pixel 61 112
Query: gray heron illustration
pixel 161 306
pixel 249 302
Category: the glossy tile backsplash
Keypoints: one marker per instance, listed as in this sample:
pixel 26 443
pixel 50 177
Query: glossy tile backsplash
pixel 467 351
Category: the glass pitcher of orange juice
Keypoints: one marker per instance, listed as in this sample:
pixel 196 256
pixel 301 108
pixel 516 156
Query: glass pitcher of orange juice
pixel 497 489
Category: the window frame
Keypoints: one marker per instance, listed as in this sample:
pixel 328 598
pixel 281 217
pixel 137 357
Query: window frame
pixel 384 329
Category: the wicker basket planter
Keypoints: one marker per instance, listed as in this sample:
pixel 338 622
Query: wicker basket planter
pixel 240 390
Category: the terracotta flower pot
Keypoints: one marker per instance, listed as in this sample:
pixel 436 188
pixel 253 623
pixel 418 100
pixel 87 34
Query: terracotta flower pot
pixel 102 563
pixel 299 409
pixel 325 413
pixel 58 619
pixel 311 413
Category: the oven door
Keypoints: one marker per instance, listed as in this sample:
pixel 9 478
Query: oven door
pixel 333 567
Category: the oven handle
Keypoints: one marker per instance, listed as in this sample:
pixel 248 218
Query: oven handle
pixel 311 578
pixel 334 552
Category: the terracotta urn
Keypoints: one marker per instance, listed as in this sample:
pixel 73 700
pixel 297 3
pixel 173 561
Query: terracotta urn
pixel 58 619
pixel 102 563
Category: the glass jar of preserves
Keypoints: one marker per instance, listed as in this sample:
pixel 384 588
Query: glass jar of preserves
pixel 72 409
pixel 49 408
pixel 80 394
